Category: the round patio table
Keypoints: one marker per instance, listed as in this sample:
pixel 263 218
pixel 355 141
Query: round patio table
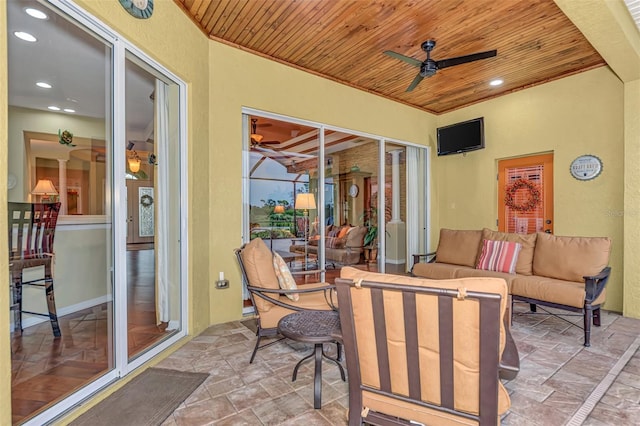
pixel 317 327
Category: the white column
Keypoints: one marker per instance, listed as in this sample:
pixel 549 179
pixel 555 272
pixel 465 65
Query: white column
pixel 395 184
pixel 62 185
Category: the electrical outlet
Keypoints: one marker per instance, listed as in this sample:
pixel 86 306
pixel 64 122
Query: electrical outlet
pixel 222 284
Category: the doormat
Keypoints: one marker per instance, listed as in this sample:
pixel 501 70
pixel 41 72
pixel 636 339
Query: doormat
pixel 148 399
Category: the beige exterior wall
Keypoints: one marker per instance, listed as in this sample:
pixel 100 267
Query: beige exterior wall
pixel 581 114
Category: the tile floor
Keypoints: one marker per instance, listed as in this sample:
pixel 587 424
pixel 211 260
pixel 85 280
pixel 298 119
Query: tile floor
pixel 560 382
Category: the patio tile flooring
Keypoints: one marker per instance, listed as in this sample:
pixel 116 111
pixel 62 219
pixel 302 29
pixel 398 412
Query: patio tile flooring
pixel 560 382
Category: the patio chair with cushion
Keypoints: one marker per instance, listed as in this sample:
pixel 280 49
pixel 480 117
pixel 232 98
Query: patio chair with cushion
pixel 273 291
pixel 423 351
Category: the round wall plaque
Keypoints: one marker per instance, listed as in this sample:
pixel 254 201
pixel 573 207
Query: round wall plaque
pixel 141 9
pixel 586 167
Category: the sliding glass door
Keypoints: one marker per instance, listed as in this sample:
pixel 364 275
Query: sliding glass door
pixel 325 198
pixel 118 175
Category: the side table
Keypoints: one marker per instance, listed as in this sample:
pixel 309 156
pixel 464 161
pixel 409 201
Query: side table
pixel 317 327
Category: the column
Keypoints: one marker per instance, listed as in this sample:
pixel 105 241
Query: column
pixel 396 241
pixel 62 185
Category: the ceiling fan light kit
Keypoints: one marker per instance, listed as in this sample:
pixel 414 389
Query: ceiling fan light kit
pixel 429 66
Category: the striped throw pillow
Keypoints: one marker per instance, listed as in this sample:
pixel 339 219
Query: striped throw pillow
pixel 499 256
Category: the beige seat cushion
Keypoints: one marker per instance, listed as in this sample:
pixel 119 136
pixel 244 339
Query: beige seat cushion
pixel 524 264
pixel 315 300
pixel 459 247
pixel 570 258
pixel 466 336
pixel 552 290
pixel 437 271
pixel 258 264
pixel 470 272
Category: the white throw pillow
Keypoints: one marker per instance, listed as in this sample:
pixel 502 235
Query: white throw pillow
pixel 285 279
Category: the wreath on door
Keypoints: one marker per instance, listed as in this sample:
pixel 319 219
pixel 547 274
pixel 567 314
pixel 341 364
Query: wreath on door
pixel 146 200
pixel 532 199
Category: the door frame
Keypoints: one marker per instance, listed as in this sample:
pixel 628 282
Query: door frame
pixel 546 159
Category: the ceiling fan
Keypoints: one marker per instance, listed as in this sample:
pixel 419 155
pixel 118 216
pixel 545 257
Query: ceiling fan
pixel 430 66
pixel 257 138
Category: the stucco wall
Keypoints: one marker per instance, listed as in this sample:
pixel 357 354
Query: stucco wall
pixel 581 114
pixel 240 79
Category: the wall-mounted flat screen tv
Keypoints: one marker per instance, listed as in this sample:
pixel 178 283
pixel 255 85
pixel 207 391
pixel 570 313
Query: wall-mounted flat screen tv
pixel 461 137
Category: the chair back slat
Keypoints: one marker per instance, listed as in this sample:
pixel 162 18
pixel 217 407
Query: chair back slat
pixel 31 228
pixel 445 332
pixel 380 327
pixel 411 336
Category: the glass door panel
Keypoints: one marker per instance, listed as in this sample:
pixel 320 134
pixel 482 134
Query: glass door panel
pixel 152 171
pixel 60 131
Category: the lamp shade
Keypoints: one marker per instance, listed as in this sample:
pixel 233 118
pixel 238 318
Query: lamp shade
pixel 44 187
pixel 134 164
pixel 305 201
pixel 278 209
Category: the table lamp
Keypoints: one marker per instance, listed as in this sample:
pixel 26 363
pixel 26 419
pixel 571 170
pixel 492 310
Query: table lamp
pixel 45 189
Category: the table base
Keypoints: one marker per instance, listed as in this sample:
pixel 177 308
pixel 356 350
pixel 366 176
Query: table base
pixel 318 353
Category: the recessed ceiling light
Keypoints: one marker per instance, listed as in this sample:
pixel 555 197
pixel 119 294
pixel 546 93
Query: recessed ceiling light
pixel 69 110
pixel 24 36
pixel 53 108
pixel 496 82
pixel 43 85
pixel 35 13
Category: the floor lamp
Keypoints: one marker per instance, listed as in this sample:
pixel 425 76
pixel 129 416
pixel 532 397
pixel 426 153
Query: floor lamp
pixel 305 202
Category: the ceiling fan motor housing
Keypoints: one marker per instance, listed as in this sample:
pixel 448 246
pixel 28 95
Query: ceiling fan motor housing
pixel 428 68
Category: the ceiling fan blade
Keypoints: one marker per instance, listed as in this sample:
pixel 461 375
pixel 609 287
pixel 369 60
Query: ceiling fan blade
pixel 407 59
pixel 415 82
pixel 269 142
pixel 464 59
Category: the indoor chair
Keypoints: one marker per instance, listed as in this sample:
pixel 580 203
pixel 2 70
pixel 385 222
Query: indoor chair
pixel 31 232
pixel 423 351
pixel 269 300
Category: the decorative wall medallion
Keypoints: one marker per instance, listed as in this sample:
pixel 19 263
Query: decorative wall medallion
pixel 354 190
pixel 586 167
pixel 141 9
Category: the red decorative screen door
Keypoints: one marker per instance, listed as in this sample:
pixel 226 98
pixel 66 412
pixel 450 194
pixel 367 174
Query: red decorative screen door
pixel 525 194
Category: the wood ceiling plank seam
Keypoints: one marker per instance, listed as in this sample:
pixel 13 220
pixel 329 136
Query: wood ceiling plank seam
pixel 260 15
pixel 194 6
pixel 277 45
pixel 213 14
pixel 270 24
pixel 286 28
pixel 364 59
pixel 307 33
pixel 332 35
pixel 195 21
pixel 244 24
pixel 320 30
pixel 228 19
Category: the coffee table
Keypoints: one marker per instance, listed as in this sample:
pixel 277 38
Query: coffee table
pixel 317 327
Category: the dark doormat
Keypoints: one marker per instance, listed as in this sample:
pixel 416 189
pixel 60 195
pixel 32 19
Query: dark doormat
pixel 148 399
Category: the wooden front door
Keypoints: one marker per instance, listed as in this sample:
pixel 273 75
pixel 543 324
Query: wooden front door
pixel 140 212
pixel 525 194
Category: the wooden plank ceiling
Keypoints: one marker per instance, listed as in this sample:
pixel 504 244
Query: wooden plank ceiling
pixel 344 40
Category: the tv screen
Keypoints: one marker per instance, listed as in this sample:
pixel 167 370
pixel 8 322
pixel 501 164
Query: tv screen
pixel 461 137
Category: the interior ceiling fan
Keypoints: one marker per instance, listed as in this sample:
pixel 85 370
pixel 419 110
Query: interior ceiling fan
pixel 257 138
pixel 430 66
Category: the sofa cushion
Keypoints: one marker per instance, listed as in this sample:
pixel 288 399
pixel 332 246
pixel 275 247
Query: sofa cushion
pixel 355 236
pixel 285 279
pixel 459 247
pixel 524 265
pixel 437 271
pixel 471 272
pixel 336 242
pixel 258 265
pixel 343 231
pixel 499 256
pixel 552 290
pixel 570 258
